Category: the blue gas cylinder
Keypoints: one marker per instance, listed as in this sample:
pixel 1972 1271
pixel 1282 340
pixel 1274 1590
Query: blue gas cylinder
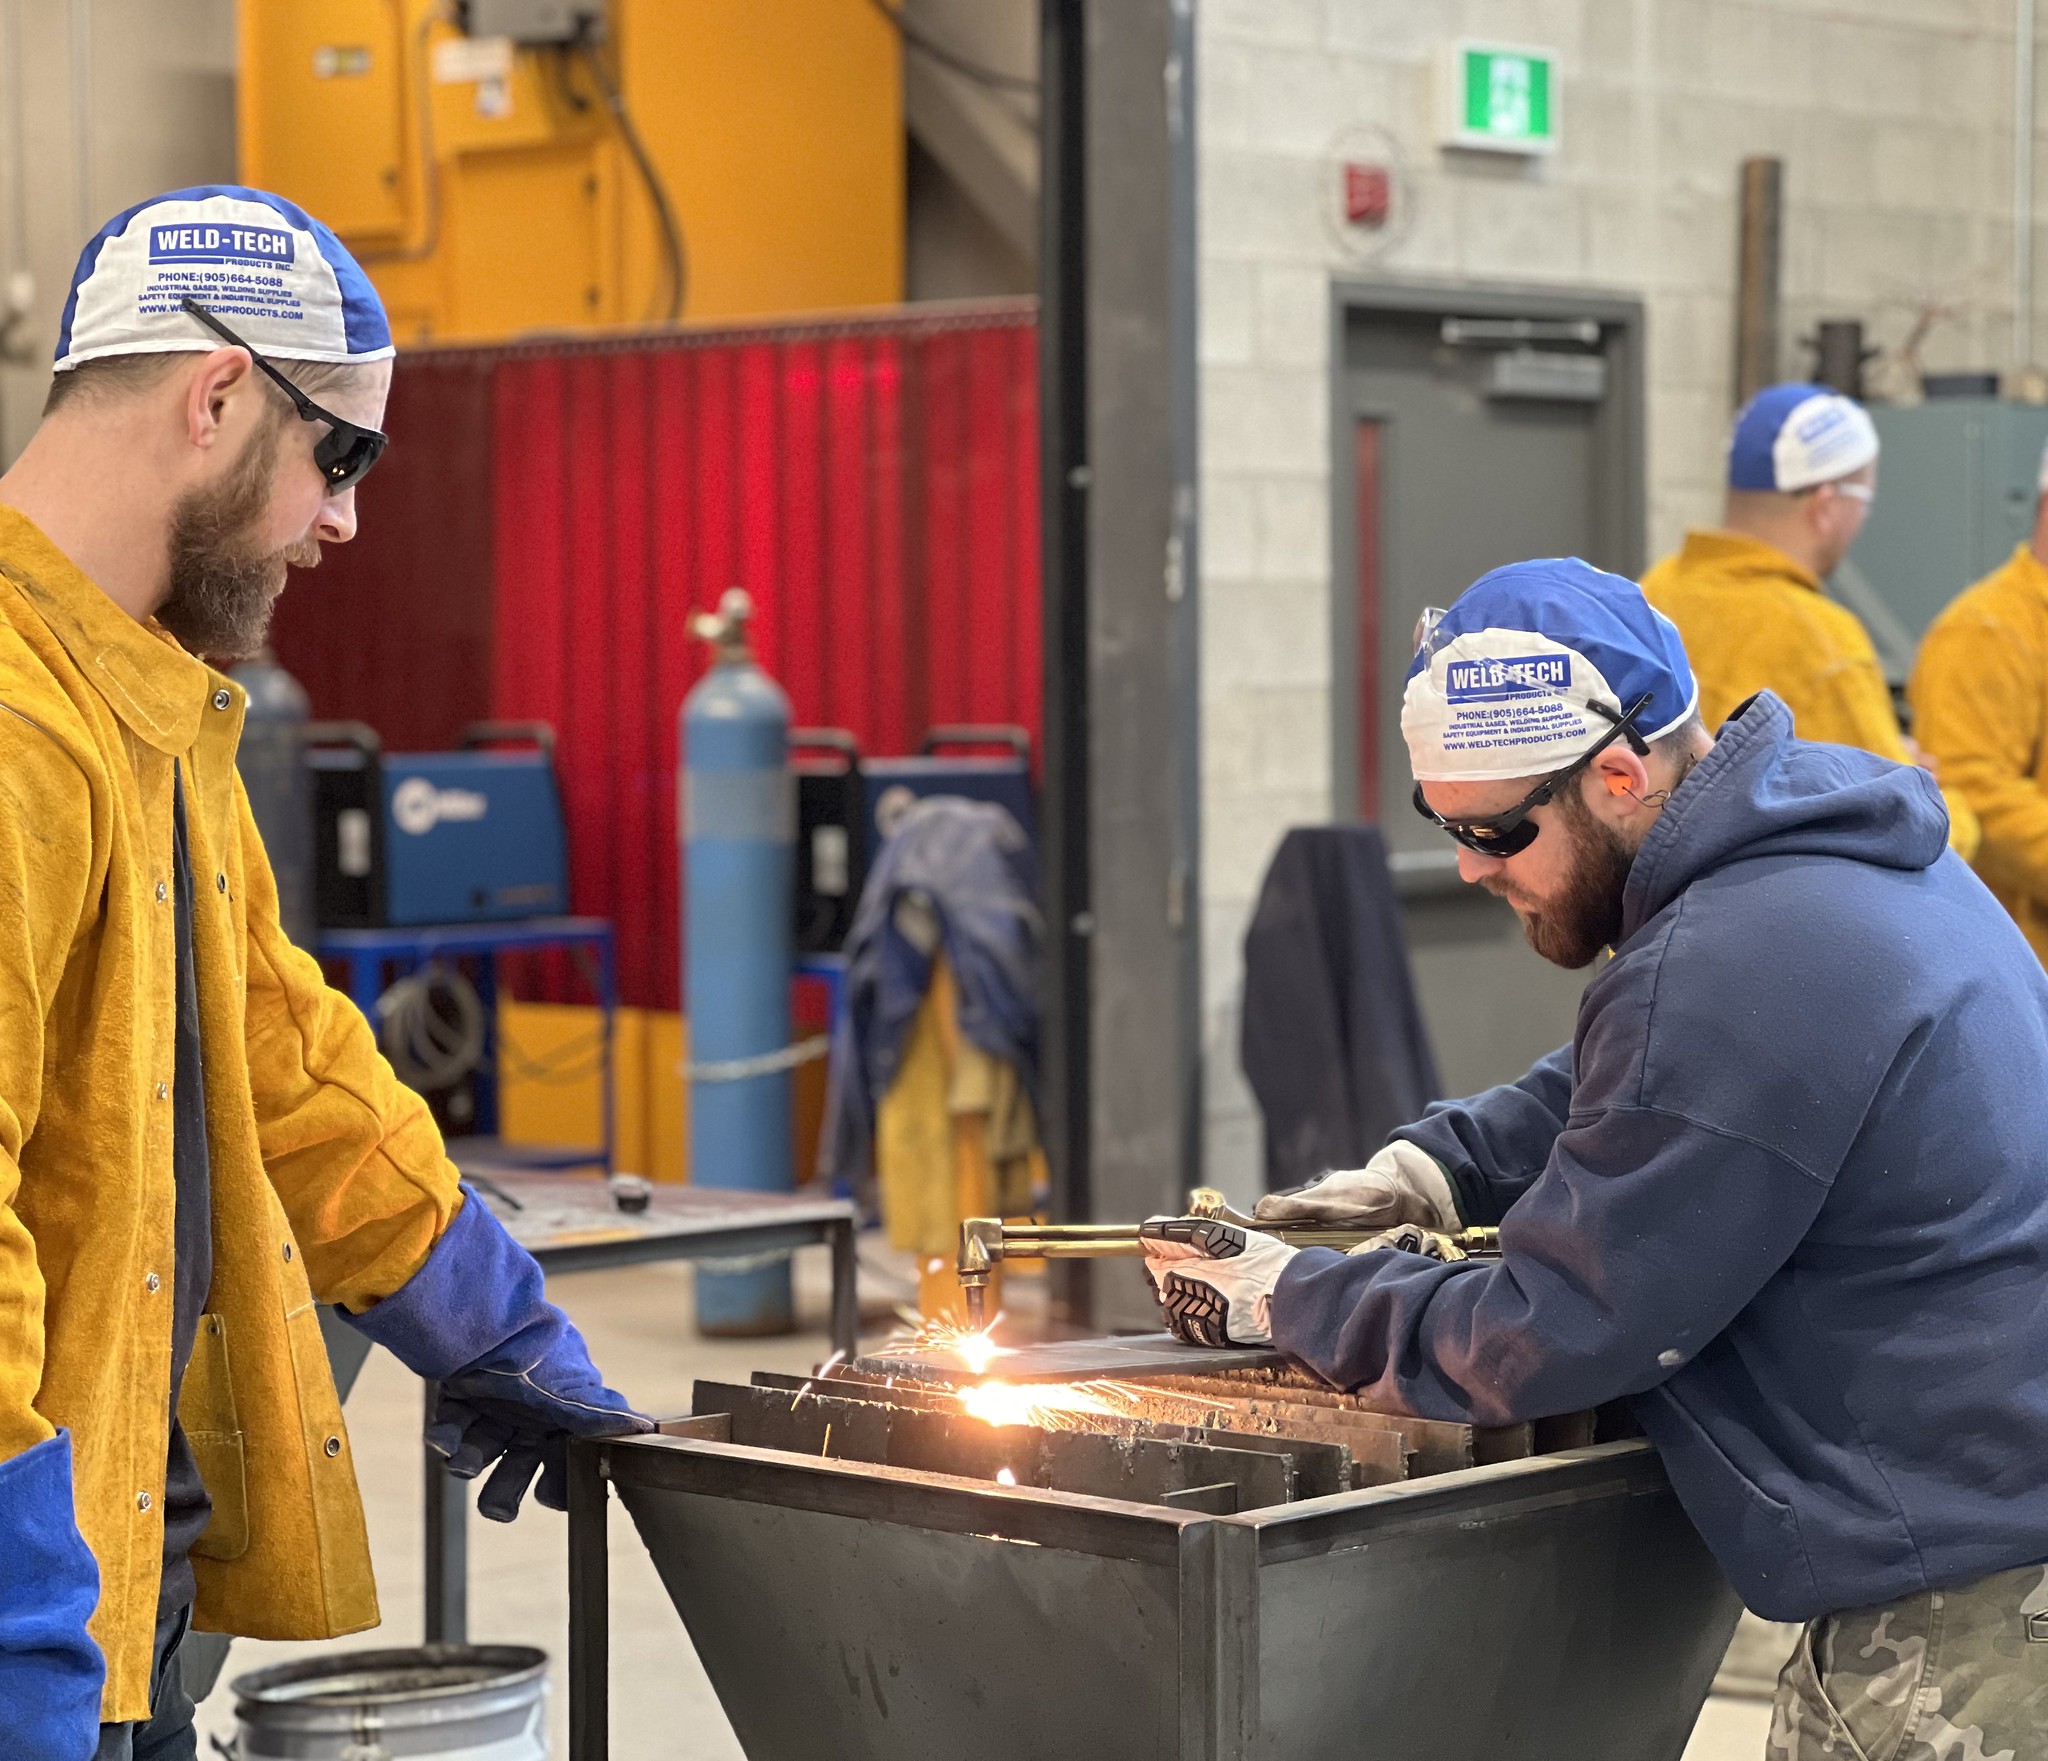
pixel 739 876
pixel 272 760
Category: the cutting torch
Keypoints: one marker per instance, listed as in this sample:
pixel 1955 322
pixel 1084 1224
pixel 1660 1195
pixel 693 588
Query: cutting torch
pixel 987 1241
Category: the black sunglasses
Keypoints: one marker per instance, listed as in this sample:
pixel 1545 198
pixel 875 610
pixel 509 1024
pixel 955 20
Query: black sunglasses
pixel 1510 833
pixel 346 451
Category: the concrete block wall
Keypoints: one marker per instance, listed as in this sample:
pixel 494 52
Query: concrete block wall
pixel 1894 118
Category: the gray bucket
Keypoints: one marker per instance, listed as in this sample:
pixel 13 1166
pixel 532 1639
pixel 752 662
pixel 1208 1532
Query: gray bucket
pixel 455 1702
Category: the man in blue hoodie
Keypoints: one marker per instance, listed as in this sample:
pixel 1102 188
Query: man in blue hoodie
pixel 1787 1188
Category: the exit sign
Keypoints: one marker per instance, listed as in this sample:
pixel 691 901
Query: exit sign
pixel 1499 99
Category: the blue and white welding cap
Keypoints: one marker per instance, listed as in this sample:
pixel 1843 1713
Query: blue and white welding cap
pixel 1794 436
pixel 263 266
pixel 1511 681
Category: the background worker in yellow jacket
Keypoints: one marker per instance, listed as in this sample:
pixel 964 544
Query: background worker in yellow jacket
pixel 197 1137
pixel 1802 474
pixel 1980 707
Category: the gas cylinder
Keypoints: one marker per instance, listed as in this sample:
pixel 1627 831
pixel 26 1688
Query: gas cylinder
pixel 738 819
pixel 272 761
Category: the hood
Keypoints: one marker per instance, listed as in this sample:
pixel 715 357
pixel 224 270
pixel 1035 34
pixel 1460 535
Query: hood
pixel 1761 792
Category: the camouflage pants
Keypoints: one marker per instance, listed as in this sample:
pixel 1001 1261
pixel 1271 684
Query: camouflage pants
pixel 1946 1675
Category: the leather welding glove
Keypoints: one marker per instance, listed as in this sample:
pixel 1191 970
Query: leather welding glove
pixel 1402 1184
pixel 516 1379
pixel 1214 1280
pixel 1409 1238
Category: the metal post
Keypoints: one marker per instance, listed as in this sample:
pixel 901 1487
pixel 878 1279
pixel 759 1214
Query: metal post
pixel 845 1291
pixel 447 1544
pixel 589 1605
pixel 2025 50
pixel 1756 294
pixel 1064 501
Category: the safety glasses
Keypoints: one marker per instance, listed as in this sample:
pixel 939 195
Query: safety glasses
pixel 1510 833
pixel 346 451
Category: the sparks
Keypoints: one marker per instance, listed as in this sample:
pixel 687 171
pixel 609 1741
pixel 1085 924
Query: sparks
pixel 1004 1477
pixel 975 1349
pixel 1051 1406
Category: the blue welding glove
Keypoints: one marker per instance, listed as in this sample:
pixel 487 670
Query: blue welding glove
pixel 516 1379
pixel 51 1672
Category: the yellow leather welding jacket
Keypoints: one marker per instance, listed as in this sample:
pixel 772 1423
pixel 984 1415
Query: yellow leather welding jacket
pixel 1754 619
pixel 328 1176
pixel 1980 706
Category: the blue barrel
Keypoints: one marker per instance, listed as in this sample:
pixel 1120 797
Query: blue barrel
pixel 739 883
pixel 272 760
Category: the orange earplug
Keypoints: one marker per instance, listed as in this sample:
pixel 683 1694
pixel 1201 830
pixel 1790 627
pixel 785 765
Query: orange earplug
pixel 1616 784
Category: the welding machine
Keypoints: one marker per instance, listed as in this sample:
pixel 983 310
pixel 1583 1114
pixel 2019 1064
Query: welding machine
pixel 471 836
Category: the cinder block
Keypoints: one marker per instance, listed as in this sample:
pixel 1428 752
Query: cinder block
pixel 1294 533
pixel 1609 34
pixel 1521 229
pixel 1299 22
pixel 1267 419
pixel 1233 1159
pixel 1394 30
pixel 1229 522
pixel 1292 315
pixel 1261 206
pixel 1226 311
pixel 1264 632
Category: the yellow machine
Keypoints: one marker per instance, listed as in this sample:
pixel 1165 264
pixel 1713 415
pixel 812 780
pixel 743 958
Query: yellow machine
pixel 494 185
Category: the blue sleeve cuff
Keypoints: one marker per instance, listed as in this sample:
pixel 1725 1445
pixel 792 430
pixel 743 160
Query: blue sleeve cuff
pixel 51 1673
pixel 477 1288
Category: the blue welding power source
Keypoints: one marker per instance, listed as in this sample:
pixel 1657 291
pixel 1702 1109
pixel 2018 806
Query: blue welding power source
pixel 410 838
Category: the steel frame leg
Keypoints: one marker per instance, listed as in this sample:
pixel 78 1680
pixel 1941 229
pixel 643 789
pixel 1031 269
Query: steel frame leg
pixel 447 1544
pixel 589 1605
pixel 845 1291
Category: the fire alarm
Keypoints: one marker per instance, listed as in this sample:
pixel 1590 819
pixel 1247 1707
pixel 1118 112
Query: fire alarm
pixel 1368 194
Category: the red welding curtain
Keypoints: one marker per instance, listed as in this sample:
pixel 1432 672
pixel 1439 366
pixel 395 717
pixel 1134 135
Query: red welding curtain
pixel 873 484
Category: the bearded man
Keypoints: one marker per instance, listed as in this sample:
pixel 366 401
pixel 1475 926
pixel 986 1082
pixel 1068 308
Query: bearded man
pixel 197 1138
pixel 1785 1191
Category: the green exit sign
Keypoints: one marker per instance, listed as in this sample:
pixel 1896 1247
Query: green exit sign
pixel 1500 99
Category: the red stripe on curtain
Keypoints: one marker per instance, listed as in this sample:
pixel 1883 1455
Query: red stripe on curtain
pixel 551 515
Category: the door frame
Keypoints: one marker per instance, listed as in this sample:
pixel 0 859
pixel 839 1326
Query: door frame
pixel 1618 430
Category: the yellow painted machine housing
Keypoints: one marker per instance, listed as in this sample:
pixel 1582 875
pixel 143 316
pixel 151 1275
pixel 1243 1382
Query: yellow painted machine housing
pixel 489 192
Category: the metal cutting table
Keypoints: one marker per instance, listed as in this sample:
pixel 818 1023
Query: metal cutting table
pixel 569 1223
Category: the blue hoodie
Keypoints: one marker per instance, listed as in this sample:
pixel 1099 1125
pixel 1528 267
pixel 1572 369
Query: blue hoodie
pixel 1788 1188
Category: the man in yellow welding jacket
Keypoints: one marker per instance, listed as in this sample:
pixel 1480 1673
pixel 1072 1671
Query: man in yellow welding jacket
pixel 1980 705
pixel 198 1138
pixel 1802 473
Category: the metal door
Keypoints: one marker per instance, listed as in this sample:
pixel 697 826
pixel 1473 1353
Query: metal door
pixel 1472 430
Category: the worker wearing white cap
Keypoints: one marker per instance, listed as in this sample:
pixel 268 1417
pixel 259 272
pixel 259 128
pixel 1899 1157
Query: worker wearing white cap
pixel 1980 707
pixel 1781 1193
pixel 198 1138
pixel 1802 473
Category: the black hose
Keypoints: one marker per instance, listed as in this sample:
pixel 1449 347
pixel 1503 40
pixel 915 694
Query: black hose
pixel 674 256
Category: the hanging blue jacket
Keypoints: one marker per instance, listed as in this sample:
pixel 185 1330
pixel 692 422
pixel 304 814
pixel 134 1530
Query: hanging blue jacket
pixel 970 864
pixel 1788 1188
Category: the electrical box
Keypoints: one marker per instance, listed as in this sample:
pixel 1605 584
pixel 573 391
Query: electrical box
pixel 512 166
pixel 534 21
pixel 1957 480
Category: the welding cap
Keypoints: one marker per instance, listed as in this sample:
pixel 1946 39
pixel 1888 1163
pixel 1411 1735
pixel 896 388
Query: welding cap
pixel 1795 436
pixel 264 266
pixel 1513 679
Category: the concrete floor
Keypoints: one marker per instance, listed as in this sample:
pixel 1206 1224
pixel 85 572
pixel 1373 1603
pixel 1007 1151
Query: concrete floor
pixel 638 1324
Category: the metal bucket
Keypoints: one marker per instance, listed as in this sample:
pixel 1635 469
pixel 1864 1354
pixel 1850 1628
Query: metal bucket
pixel 457 1702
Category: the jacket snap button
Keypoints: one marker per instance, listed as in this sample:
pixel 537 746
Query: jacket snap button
pixel 221 881
pixel 163 1091
pixel 221 699
pixel 142 1501
pixel 152 1284
pixel 162 892
pixel 334 1446
pixel 287 1250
